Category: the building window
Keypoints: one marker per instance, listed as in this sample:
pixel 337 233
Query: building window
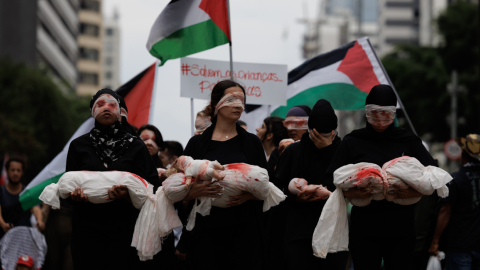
pixel 108 75
pixel 108 61
pixel 92 5
pixel 88 78
pixel 109 31
pixel 89 29
pixel 89 54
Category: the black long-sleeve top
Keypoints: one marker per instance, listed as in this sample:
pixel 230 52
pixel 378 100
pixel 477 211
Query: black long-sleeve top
pixel 119 215
pixel 380 218
pixel 303 160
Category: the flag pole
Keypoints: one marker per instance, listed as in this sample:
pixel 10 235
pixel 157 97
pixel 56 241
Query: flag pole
pixel 154 91
pixel 230 41
pixel 393 87
pixel 192 124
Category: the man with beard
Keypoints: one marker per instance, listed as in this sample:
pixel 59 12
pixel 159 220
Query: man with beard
pixel 11 212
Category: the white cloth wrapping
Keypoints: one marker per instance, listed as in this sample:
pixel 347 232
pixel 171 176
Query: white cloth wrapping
pixel 95 185
pixel 331 233
pixel 408 171
pixel 239 177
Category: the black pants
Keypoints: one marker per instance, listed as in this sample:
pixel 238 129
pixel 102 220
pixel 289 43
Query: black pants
pixel 367 252
pixel 299 254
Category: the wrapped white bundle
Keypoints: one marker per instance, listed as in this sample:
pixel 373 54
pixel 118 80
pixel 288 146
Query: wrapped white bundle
pixel 331 233
pixel 408 171
pixel 95 185
pixel 158 217
pixel 239 177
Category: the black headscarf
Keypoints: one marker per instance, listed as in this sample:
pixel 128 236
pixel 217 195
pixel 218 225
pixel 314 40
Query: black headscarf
pixel 322 118
pixel 383 95
pixel 110 142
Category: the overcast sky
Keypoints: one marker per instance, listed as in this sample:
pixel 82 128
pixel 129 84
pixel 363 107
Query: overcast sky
pixel 264 31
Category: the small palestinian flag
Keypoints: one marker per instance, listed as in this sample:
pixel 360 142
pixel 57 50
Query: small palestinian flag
pixel 343 76
pixel 189 26
pixel 138 95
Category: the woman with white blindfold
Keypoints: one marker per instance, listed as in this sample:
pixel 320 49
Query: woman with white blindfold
pixel 382 229
pixel 234 233
pixel 102 231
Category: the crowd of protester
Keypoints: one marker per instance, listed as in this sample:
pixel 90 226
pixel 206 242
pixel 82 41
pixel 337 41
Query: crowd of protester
pixel 83 235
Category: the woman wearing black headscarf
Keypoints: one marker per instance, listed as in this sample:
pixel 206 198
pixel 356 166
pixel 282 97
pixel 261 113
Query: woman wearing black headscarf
pixel 309 159
pixel 153 139
pixel 229 237
pixel 102 233
pixel 381 229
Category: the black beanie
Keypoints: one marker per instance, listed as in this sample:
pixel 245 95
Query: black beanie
pixel 101 92
pixel 123 104
pixel 322 118
pixel 382 95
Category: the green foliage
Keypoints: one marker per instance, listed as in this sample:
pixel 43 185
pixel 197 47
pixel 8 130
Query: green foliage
pixel 36 118
pixel 421 74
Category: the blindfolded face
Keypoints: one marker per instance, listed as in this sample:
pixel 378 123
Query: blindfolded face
pixel 202 123
pixel 296 122
pixel 148 137
pixel 106 105
pixel 234 100
pixel 380 117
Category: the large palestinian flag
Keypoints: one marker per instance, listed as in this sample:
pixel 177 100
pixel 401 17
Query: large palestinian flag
pixel 189 26
pixel 343 76
pixel 137 94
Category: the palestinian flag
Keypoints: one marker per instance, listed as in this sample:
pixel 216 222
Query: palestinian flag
pixel 343 76
pixel 137 94
pixel 189 26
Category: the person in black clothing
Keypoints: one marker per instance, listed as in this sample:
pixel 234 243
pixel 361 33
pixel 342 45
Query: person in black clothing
pixel 229 237
pixel 271 133
pixel 461 211
pixel 309 159
pixel 102 233
pixel 172 151
pixel 381 229
pixel 11 212
pixel 153 139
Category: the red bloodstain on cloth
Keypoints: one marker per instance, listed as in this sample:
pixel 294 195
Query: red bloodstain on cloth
pixel 240 167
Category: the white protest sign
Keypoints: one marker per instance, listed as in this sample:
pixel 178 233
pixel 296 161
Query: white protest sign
pixel 264 84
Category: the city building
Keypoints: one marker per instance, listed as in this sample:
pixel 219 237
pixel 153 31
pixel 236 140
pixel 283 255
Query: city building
pixel 90 43
pixel 111 52
pixel 42 34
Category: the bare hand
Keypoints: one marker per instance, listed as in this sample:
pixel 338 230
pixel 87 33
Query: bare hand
pixel 118 192
pixel 239 199
pixel 203 189
pixel 401 193
pixel 433 250
pixel 181 256
pixel 320 141
pixel 7 226
pixel 40 226
pixel 78 196
pixel 359 193
pixel 308 196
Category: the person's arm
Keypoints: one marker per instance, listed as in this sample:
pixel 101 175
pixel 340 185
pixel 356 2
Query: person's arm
pixel 37 212
pixel 442 222
pixel 5 226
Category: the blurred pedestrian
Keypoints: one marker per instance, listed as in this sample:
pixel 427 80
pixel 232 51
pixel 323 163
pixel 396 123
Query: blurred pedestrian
pixel 25 262
pixel 12 213
pixel 383 229
pixel 309 159
pixel 102 233
pixel 296 121
pixel 170 153
pixel 202 122
pixel 461 211
pixel 243 124
pixel 271 133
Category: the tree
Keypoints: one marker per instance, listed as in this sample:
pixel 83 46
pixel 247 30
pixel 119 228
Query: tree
pixel 421 74
pixel 36 118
